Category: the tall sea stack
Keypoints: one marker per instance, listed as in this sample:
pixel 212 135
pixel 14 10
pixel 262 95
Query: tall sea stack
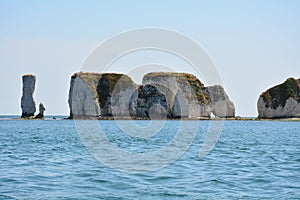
pixel 27 101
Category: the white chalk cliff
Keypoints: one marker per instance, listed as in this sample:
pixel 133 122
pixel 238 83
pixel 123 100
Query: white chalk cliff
pixel 281 101
pixel 114 93
pixel 82 95
pixel 185 94
pixel 220 104
pixel 162 95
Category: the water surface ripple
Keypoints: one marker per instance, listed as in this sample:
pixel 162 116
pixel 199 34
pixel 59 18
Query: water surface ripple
pixel 252 160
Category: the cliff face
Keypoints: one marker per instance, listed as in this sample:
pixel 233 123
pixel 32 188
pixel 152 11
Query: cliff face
pixel 82 95
pixel 95 94
pixel 280 101
pixel 148 102
pixel 172 95
pixel 188 98
pixel 114 92
pixel 186 95
pixel 220 104
pixel 27 101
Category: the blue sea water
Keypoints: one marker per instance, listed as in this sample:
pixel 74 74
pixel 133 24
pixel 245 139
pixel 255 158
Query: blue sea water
pixel 252 160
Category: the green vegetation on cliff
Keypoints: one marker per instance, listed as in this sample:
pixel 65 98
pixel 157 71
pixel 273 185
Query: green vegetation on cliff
pixel 112 82
pixel 91 79
pixel 102 85
pixel 197 88
pixel 278 95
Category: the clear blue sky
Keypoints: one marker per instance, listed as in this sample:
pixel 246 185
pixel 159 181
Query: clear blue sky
pixel 254 44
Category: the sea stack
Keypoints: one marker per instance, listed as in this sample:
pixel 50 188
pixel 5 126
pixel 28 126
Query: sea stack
pixel 27 101
pixel 281 101
pixel 41 111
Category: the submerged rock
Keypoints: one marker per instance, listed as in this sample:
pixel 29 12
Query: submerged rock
pixel 281 101
pixel 27 101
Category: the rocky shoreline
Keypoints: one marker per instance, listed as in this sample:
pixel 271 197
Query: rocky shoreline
pixel 200 119
pixel 296 119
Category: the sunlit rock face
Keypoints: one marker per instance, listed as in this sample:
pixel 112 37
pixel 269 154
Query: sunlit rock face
pixel 83 100
pixel 100 95
pixel 187 97
pixel 161 95
pixel 220 104
pixel 27 101
pixel 281 101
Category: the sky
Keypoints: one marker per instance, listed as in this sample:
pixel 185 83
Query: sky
pixel 253 44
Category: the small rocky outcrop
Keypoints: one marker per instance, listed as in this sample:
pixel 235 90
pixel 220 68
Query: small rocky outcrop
pixel 161 95
pixel 27 101
pixel 41 112
pixel 281 101
pixel 220 104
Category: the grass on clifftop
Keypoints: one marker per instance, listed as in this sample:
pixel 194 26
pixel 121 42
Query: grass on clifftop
pixel 103 84
pixel 278 95
pixel 91 80
pixel 25 75
pixel 197 87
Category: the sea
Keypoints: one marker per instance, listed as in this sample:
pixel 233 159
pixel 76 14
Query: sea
pixel 53 159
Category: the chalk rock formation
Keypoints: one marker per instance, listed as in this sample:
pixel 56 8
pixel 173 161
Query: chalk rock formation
pixel 163 94
pixel 186 95
pixel 83 96
pixel 220 104
pixel 100 94
pixel 114 93
pixel 83 100
pixel 27 101
pixel 281 101
pixel 41 111
pixel 148 102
